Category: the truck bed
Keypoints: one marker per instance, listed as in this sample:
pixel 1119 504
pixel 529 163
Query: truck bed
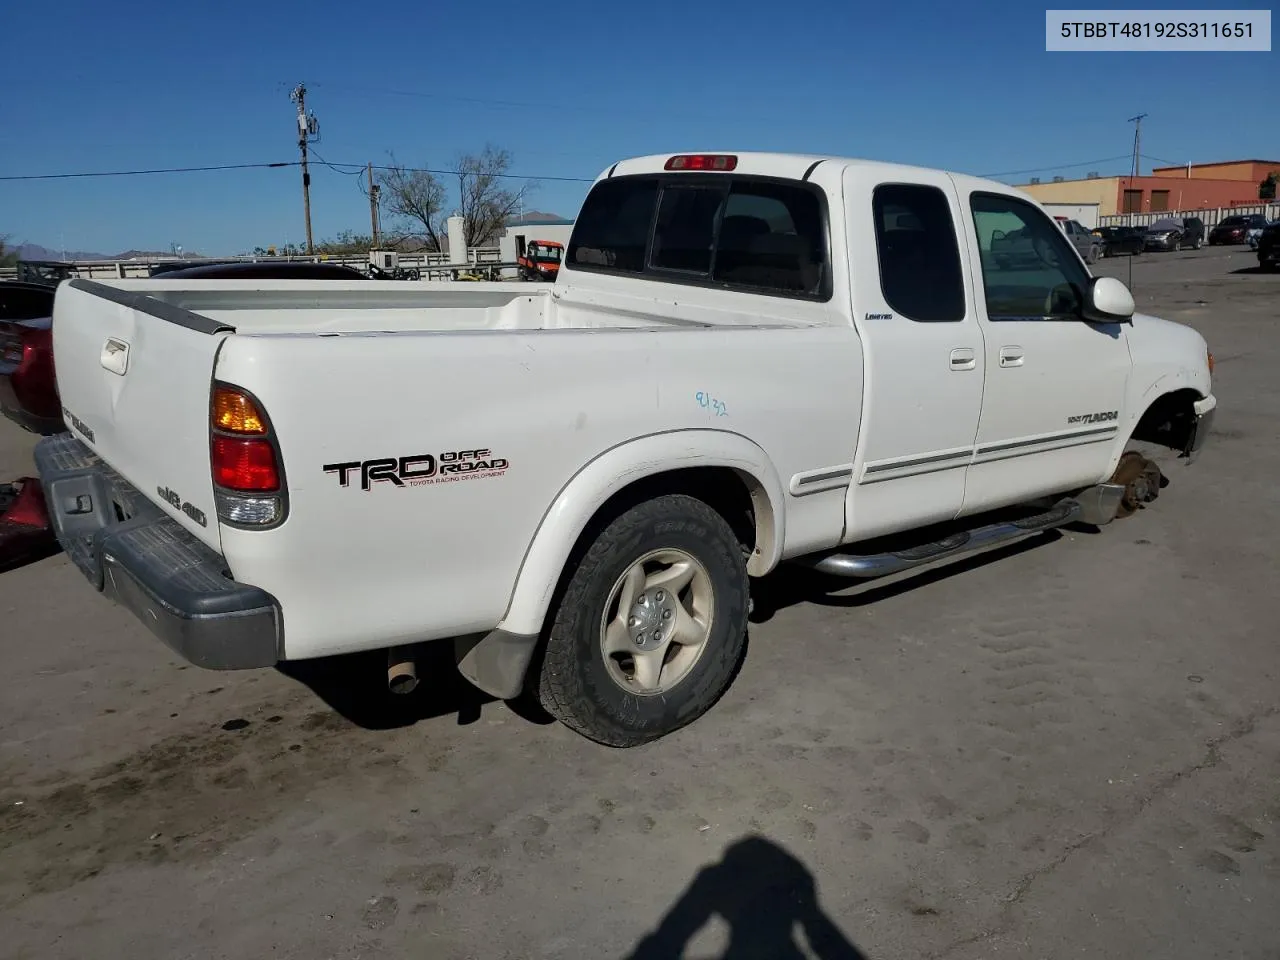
pixel 329 307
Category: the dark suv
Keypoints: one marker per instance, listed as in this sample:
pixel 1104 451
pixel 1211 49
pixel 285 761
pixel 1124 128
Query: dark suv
pixel 1233 229
pixel 1269 247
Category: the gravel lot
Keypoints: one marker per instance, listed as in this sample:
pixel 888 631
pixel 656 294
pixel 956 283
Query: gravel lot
pixel 1067 748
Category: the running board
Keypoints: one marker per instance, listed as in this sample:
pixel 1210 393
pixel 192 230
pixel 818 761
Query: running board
pixel 867 566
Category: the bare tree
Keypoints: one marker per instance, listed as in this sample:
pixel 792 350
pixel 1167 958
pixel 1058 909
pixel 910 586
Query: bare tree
pixel 486 204
pixel 418 199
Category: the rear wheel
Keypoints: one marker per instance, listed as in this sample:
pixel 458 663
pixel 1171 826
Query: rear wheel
pixel 651 626
pixel 1094 254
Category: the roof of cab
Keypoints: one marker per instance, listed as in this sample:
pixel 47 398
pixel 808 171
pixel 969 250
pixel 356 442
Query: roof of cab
pixel 788 165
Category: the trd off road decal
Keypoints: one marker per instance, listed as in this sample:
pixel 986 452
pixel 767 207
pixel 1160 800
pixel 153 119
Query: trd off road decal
pixel 421 469
pixel 1104 417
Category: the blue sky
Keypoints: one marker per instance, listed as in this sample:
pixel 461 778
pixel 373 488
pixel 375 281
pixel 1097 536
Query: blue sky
pixel 567 86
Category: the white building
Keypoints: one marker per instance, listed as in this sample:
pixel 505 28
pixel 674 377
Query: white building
pixel 512 243
pixel 1085 214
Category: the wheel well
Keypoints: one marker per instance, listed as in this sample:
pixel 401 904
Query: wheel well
pixel 723 489
pixel 739 498
pixel 1168 421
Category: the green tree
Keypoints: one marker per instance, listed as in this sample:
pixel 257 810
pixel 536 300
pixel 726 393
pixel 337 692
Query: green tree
pixel 346 243
pixel 1267 188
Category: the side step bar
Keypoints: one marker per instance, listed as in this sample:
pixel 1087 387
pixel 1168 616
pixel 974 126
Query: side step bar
pixel 867 566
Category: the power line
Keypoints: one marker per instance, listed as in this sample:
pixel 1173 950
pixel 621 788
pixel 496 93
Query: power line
pixel 502 176
pixel 334 167
pixel 357 168
pixel 1056 166
pixel 139 173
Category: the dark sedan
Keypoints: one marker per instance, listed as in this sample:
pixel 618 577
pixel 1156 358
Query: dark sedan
pixel 256 270
pixel 1173 233
pixel 28 396
pixel 1117 241
pixel 1234 229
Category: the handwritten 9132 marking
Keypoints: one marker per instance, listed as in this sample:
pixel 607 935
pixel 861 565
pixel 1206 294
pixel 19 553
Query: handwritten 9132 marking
pixel 707 402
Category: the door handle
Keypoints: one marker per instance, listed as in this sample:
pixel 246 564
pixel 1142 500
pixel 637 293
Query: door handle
pixel 1011 356
pixel 115 356
pixel 963 358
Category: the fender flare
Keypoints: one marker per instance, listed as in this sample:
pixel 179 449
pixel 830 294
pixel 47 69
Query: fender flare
pixel 618 467
pixel 1172 382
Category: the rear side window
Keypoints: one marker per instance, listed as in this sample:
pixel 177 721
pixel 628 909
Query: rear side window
pixel 612 231
pixel 739 233
pixel 920 273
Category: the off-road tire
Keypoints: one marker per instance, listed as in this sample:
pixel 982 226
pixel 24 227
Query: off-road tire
pixel 573 683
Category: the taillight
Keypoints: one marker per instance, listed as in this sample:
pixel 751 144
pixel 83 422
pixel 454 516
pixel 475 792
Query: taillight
pixel 248 478
pixel 702 161
pixel 245 465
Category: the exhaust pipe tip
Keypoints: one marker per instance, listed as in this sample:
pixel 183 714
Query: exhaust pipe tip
pixel 402 672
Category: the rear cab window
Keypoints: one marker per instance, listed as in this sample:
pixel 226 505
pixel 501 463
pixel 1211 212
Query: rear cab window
pixel 731 231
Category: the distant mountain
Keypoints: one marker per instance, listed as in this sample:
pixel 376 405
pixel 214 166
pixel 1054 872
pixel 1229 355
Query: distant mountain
pixel 34 251
pixel 154 255
pixel 536 215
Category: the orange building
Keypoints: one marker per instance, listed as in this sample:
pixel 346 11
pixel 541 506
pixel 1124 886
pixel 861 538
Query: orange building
pixel 1250 171
pixel 1203 186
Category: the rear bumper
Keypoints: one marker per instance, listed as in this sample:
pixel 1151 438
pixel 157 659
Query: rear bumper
pixel 143 559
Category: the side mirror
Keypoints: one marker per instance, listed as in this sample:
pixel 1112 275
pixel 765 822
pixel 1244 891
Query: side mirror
pixel 1107 301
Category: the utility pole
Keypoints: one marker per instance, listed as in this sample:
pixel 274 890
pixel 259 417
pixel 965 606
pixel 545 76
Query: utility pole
pixel 1137 139
pixel 1137 145
pixel 373 210
pixel 308 129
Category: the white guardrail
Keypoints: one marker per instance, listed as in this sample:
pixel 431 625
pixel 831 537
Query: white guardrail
pixel 432 266
pixel 1211 217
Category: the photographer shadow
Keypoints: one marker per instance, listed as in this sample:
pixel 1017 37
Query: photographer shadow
pixel 763 894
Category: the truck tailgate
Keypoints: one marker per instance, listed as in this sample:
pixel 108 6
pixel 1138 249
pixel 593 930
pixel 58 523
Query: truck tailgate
pixel 134 376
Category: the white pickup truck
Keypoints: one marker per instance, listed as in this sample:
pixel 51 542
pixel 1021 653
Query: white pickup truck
pixel 746 359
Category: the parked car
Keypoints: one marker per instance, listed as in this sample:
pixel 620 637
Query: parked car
pixel 1175 233
pixel 261 269
pixel 1235 229
pixel 1269 246
pixel 1081 238
pixel 28 395
pixel 28 391
pixel 25 533
pixel 737 366
pixel 1116 241
pixel 1253 233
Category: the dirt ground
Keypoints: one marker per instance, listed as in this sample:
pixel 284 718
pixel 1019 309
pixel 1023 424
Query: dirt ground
pixel 1066 748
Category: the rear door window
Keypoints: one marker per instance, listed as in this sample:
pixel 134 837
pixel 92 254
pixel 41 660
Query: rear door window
pixel 920 273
